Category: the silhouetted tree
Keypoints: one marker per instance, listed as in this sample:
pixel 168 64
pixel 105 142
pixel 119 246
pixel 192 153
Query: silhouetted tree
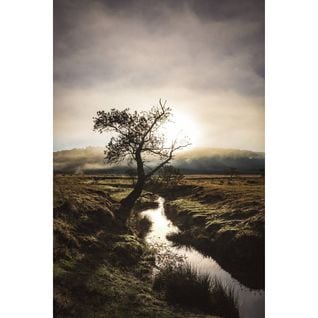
pixel 137 138
pixel 232 172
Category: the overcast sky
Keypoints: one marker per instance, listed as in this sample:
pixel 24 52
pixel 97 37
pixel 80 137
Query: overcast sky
pixel 206 58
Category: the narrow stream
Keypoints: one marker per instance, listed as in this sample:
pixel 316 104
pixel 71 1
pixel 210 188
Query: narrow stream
pixel 251 302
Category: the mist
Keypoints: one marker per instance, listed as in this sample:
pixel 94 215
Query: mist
pixel 197 160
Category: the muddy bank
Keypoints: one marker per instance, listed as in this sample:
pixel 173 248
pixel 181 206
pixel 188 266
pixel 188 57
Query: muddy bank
pixel 148 200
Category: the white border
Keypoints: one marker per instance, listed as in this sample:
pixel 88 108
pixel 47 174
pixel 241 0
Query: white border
pixel 291 158
pixel 26 159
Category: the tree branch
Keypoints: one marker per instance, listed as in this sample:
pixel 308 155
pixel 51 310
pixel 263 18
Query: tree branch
pixel 170 156
pixel 156 119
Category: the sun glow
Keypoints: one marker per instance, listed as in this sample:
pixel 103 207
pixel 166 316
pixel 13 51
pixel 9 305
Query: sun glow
pixel 182 128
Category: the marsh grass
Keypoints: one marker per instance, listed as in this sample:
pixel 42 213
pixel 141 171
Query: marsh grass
pixel 101 270
pixel 224 221
pixel 183 285
pixel 223 300
pixel 143 225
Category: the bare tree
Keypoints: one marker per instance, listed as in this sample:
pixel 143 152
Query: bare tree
pixel 137 138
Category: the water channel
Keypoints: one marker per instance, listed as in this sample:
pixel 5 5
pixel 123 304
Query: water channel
pixel 251 302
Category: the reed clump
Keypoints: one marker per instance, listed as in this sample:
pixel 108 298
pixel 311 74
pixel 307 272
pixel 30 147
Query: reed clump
pixel 183 285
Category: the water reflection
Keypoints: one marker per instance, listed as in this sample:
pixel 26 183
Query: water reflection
pixel 251 302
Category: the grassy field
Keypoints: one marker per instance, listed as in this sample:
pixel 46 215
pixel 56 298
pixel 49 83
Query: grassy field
pixel 101 267
pixel 223 218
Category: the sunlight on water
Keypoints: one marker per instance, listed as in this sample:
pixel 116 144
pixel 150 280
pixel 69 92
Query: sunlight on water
pixel 251 302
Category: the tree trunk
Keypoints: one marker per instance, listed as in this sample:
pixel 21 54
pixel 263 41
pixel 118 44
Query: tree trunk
pixel 127 204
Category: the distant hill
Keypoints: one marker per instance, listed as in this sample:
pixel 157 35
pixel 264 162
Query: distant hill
pixel 194 161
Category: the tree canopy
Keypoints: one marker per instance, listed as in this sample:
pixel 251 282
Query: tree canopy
pixel 138 137
pixel 137 134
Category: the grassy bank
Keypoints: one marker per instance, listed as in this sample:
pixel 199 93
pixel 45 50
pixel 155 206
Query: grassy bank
pixel 222 218
pixel 182 284
pixel 102 268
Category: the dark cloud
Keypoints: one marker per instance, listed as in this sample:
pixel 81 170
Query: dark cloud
pixel 86 32
pixel 155 9
pixel 189 52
